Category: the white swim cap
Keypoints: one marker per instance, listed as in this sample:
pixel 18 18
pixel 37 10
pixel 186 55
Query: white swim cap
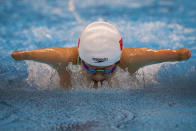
pixel 100 44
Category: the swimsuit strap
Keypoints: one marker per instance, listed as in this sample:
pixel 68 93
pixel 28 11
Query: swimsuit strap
pixel 79 60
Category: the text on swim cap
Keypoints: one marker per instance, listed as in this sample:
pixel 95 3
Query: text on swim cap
pixel 99 60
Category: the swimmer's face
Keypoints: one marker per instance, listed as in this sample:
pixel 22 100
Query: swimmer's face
pixel 99 75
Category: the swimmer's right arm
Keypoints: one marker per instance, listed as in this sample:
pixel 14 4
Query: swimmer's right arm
pixel 52 55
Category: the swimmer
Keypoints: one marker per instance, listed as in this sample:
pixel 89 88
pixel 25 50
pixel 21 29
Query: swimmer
pixel 100 52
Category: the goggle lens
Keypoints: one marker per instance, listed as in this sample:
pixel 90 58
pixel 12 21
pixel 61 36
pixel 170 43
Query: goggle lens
pixel 107 71
pixel 93 71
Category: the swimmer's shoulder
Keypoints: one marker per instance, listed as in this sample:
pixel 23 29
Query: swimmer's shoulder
pixel 128 53
pixel 124 57
pixel 129 56
pixel 72 54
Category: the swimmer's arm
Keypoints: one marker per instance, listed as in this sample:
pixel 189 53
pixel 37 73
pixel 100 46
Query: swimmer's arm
pixel 134 58
pixel 52 55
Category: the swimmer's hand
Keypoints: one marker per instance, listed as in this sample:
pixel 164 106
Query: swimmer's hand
pixel 184 54
pixel 17 55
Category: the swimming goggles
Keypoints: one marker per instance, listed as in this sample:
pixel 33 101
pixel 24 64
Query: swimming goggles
pixel 93 70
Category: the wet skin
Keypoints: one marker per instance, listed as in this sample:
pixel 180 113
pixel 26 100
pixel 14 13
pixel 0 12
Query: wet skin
pixel 131 58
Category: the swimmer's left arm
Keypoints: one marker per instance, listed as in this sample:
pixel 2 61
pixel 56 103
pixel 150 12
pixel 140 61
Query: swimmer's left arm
pixel 141 56
pixel 153 56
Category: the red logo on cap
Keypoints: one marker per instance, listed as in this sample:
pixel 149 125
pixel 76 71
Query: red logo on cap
pixel 121 43
pixel 78 42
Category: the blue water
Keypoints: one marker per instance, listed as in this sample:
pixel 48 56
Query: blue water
pixel 158 97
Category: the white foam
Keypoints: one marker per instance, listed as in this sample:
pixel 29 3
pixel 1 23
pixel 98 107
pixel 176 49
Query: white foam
pixel 43 33
pixel 158 32
pixel 47 8
pixel 74 13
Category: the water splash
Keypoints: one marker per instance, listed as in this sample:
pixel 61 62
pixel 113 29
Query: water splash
pixel 42 76
pixel 45 77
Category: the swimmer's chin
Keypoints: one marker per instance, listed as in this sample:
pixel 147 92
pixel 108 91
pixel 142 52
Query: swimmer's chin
pixel 98 79
pixel 95 80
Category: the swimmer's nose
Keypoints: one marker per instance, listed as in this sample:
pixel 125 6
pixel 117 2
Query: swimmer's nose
pixel 100 73
pixel 99 76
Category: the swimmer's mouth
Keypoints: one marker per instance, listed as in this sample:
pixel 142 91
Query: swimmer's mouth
pixel 98 80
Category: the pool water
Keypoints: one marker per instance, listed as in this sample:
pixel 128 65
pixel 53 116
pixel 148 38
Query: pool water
pixel 158 97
